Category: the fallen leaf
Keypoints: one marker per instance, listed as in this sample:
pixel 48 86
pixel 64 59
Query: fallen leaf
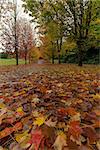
pixel 15 146
pixel 39 121
pixel 74 129
pixel 36 138
pixel 17 126
pixel 51 123
pixel 60 141
pixel 5 132
pixel 21 137
pixel 83 147
pixel 91 134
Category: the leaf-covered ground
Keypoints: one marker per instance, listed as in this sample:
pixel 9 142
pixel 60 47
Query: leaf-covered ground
pixel 49 107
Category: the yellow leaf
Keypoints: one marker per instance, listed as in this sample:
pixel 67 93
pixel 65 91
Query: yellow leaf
pixel 20 109
pixel 2 105
pixel 21 137
pixel 97 96
pixel 39 121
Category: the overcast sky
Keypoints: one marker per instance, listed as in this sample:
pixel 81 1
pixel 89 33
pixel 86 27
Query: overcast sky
pixel 21 9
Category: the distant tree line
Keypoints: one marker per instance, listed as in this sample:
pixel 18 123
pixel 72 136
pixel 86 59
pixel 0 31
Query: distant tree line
pixel 61 21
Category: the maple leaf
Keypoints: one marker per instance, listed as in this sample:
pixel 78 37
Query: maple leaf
pixel 19 111
pixel 5 132
pixel 39 121
pixel 15 146
pixel 49 134
pixel 2 105
pixel 76 117
pixel 17 126
pixel 98 145
pixel 74 129
pixel 97 112
pixel 23 139
pixel 10 120
pixel 83 147
pixel 90 133
pixel 35 100
pixel 51 123
pixel 2 112
pixel 71 111
pixel 36 138
pixel 60 141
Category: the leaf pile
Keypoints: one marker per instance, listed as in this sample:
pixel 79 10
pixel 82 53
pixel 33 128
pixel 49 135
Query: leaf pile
pixel 51 108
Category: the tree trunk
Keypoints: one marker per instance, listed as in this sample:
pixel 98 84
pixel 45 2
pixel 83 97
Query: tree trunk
pixel 58 52
pixel 29 59
pixel 52 52
pixel 80 58
pixel 52 57
pixel 25 58
pixel 80 52
pixel 59 62
pixel 16 51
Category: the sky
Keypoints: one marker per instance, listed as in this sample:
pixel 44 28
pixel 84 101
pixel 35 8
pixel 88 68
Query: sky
pixel 21 10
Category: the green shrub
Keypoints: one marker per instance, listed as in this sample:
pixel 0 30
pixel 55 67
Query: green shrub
pixel 4 55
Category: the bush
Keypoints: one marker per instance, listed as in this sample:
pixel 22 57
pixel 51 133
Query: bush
pixel 4 55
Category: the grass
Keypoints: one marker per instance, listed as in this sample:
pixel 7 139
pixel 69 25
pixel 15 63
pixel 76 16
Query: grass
pixel 12 61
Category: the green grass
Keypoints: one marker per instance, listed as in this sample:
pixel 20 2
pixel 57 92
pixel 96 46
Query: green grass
pixel 12 61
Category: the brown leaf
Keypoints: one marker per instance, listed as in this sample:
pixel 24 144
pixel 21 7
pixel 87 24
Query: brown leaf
pixel 90 133
pixel 83 147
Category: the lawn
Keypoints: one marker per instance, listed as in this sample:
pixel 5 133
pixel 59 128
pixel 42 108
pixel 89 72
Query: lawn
pixel 12 61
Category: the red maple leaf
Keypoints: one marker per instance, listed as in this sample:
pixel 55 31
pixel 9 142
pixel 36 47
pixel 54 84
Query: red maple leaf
pixel 36 139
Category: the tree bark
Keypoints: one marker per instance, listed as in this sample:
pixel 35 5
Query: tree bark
pixel 80 53
pixel 25 57
pixel 58 52
pixel 52 56
pixel 80 58
pixel 16 51
pixel 52 52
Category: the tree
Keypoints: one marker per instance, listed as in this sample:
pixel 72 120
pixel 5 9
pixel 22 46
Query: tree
pixel 17 33
pixel 73 18
pixel 48 15
pixel 3 7
pixel 25 38
pixel 9 30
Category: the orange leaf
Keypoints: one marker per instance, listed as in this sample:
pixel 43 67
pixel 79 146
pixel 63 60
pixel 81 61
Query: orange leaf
pixel 96 124
pixel 17 126
pixel 74 129
pixel 68 111
pixel 62 111
pixel 71 111
pixel 5 132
